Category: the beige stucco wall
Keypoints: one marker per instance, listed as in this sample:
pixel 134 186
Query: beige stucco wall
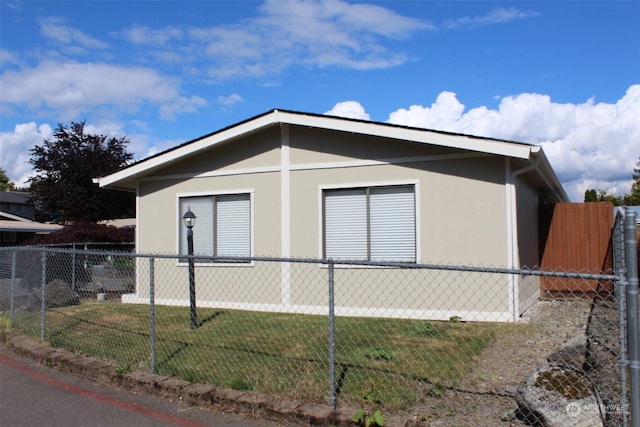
pixel 528 241
pixel 460 201
pixel 258 150
pixel 461 216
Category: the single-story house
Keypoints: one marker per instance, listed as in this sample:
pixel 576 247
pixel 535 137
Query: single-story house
pixel 291 184
pixel 15 229
pixel 18 203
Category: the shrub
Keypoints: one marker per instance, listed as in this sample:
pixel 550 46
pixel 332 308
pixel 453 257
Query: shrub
pixel 82 232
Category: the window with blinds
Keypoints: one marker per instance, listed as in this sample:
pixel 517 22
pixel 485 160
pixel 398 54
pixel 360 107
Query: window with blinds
pixel 223 225
pixel 372 223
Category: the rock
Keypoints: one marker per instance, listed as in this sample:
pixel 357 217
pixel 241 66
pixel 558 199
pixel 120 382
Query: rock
pixel 33 303
pixel 18 293
pixel 555 395
pixel 507 416
pixel 573 354
pixel 59 294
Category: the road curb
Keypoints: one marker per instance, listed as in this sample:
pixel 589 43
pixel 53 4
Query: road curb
pixel 222 399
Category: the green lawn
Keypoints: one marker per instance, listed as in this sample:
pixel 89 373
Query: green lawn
pixel 402 361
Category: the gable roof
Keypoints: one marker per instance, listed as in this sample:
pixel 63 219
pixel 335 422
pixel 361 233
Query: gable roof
pixel 126 177
pixel 10 222
pixel 28 227
pixel 13 217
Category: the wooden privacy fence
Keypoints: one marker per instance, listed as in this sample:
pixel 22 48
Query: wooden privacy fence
pixel 575 237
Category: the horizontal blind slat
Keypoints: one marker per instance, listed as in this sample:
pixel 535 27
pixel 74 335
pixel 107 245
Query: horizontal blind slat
pixel 202 208
pixel 392 222
pixel 233 225
pixel 346 224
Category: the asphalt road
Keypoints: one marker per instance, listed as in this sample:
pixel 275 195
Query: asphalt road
pixel 33 395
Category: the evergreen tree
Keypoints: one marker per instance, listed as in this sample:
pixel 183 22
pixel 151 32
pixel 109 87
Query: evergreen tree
pixel 593 195
pixel 633 198
pixel 590 195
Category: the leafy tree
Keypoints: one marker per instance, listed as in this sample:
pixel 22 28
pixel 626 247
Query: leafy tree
pixel 633 198
pixel 592 195
pixel 65 167
pixel 5 183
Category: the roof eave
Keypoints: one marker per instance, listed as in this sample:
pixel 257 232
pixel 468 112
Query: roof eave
pixel 126 178
pixel 549 176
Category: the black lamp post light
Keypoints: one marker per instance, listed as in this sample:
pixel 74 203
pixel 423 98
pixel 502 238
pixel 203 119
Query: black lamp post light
pixel 189 219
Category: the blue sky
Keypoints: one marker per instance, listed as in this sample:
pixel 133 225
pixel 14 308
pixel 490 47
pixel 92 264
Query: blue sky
pixel 565 75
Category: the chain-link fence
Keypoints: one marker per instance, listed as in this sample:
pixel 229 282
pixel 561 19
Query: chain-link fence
pixel 437 342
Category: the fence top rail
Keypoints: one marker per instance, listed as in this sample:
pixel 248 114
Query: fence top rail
pixel 525 271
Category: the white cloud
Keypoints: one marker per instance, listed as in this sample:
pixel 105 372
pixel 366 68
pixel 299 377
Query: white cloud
pixel 72 88
pixel 589 145
pixel 8 57
pixel 230 100
pixel 495 16
pixel 351 33
pixel 349 109
pixel 15 146
pixel 142 35
pixel 55 28
pixel 181 105
pixel 443 114
pixel 307 33
pixel 307 19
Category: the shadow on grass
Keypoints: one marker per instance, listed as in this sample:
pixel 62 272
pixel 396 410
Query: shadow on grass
pixel 210 318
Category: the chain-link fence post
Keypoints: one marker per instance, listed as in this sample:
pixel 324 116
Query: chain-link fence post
pixel 73 269
pixel 332 343
pixel 152 314
pixel 12 291
pixel 633 323
pixel 43 314
pixel 620 291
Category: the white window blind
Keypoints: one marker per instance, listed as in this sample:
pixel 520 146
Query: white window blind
pixel 233 225
pixel 346 224
pixel 223 225
pixel 202 207
pixel 377 223
pixel 392 224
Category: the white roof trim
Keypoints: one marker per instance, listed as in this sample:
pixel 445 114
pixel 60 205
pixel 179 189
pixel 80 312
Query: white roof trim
pixel 195 146
pixel 463 142
pixel 28 227
pixel 14 217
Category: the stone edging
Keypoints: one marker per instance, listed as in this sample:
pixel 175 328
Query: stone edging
pixel 245 402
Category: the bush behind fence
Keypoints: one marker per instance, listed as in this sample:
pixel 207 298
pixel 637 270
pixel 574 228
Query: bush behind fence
pixel 401 337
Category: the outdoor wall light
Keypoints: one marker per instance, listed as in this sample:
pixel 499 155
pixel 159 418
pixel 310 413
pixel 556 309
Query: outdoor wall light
pixel 189 219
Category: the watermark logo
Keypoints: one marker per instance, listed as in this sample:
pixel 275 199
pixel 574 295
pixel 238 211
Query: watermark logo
pixel 573 409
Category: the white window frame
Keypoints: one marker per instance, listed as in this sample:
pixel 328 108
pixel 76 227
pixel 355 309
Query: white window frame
pixel 180 228
pixel 372 184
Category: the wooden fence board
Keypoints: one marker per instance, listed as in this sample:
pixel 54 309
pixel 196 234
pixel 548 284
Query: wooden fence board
pixel 575 237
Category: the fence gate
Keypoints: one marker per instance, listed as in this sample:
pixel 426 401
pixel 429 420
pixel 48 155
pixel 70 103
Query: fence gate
pixel 575 237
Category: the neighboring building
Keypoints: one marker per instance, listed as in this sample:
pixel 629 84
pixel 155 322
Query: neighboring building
pixel 17 215
pixel 293 184
pixel 17 203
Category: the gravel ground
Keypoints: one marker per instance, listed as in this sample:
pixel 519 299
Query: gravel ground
pixel 604 350
pixel 485 397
